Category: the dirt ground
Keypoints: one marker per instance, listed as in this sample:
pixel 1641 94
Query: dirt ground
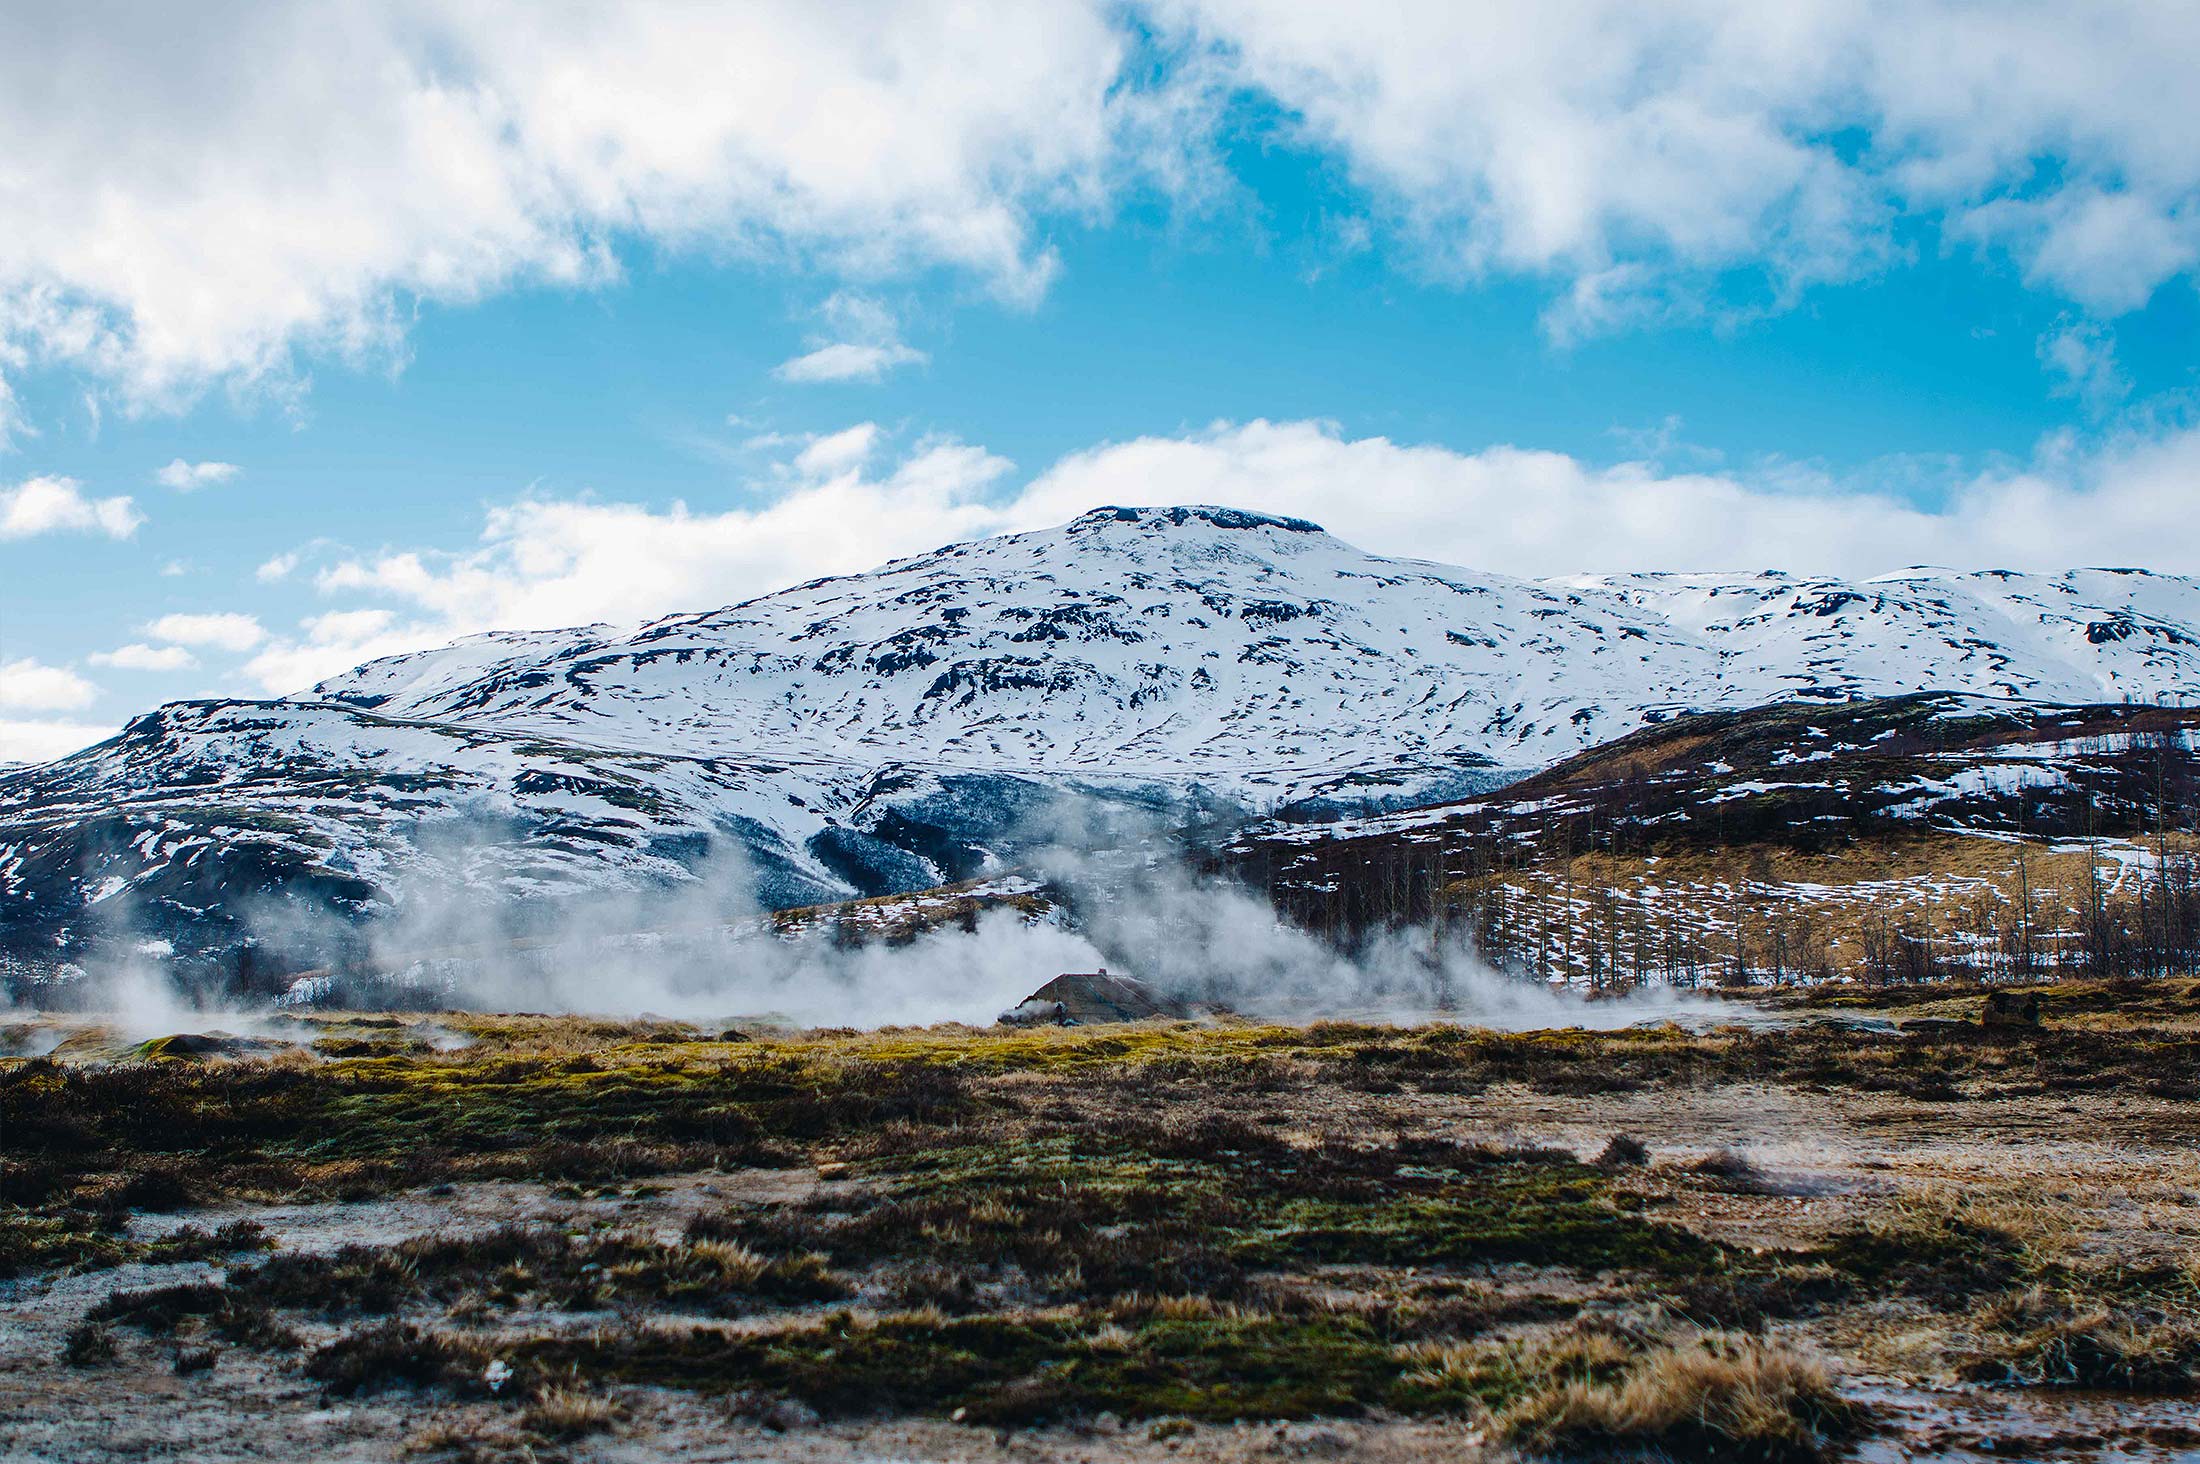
pixel 2086 1185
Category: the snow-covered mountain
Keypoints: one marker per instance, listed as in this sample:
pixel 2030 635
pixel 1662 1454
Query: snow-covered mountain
pixel 895 729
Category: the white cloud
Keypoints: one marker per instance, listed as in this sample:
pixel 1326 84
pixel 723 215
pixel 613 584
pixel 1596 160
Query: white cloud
pixel 223 631
pixel 194 197
pixel 201 196
pixel 551 562
pixel 139 656
pixel 57 505
pixel 175 569
pixel 27 685
pixel 2108 250
pixel 846 361
pixel 278 567
pixel 1621 147
pixel 347 627
pixel 37 740
pixel 1527 512
pixel 185 477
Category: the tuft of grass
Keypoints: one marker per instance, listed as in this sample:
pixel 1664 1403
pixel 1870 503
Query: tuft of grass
pixel 1717 1398
pixel 157 1187
pixel 1623 1151
pixel 570 1412
pixel 189 1243
pixel 1493 1377
pixel 195 1360
pixel 1746 1297
pixel 88 1344
pixel 57 1240
pixel 945 1289
pixel 1182 1357
pixel 397 1354
pixel 2041 1339
pixel 1550 1215
pixel 472 1441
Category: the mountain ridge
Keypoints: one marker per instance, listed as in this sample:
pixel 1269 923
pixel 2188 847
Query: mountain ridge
pixel 921 722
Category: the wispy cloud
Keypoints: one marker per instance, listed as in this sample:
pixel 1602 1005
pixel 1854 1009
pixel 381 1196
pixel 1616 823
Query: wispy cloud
pixel 861 341
pixel 1641 157
pixel 220 630
pixel 362 161
pixel 843 361
pixel 2081 356
pixel 546 562
pixel 839 452
pixel 186 477
pixel 138 656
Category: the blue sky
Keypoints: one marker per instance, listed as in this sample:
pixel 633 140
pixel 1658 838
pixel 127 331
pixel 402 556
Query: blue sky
pixel 378 355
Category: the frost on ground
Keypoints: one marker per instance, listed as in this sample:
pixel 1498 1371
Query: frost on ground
pixel 1869 1227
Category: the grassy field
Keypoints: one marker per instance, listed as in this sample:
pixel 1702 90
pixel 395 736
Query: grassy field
pixel 512 1237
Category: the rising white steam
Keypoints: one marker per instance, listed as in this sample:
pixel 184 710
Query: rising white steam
pixel 704 952
pixel 1214 942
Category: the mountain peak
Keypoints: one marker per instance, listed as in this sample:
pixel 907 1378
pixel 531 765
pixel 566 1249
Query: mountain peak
pixel 1181 515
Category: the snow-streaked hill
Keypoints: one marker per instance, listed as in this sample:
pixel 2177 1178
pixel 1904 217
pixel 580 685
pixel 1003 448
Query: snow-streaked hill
pixel 894 729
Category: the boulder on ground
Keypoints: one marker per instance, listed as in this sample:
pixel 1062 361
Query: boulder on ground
pixel 2010 1009
pixel 201 1045
pixel 1078 997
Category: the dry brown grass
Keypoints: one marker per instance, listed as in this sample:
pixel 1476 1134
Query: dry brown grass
pixel 1715 1397
pixel 1669 753
pixel 571 1412
pixel 2040 1337
pixel 735 1263
pixel 459 1439
pixel 1939 883
pixel 1554 1359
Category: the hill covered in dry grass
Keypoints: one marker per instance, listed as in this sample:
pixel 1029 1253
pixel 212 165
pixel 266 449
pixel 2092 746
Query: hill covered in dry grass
pixel 1899 839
